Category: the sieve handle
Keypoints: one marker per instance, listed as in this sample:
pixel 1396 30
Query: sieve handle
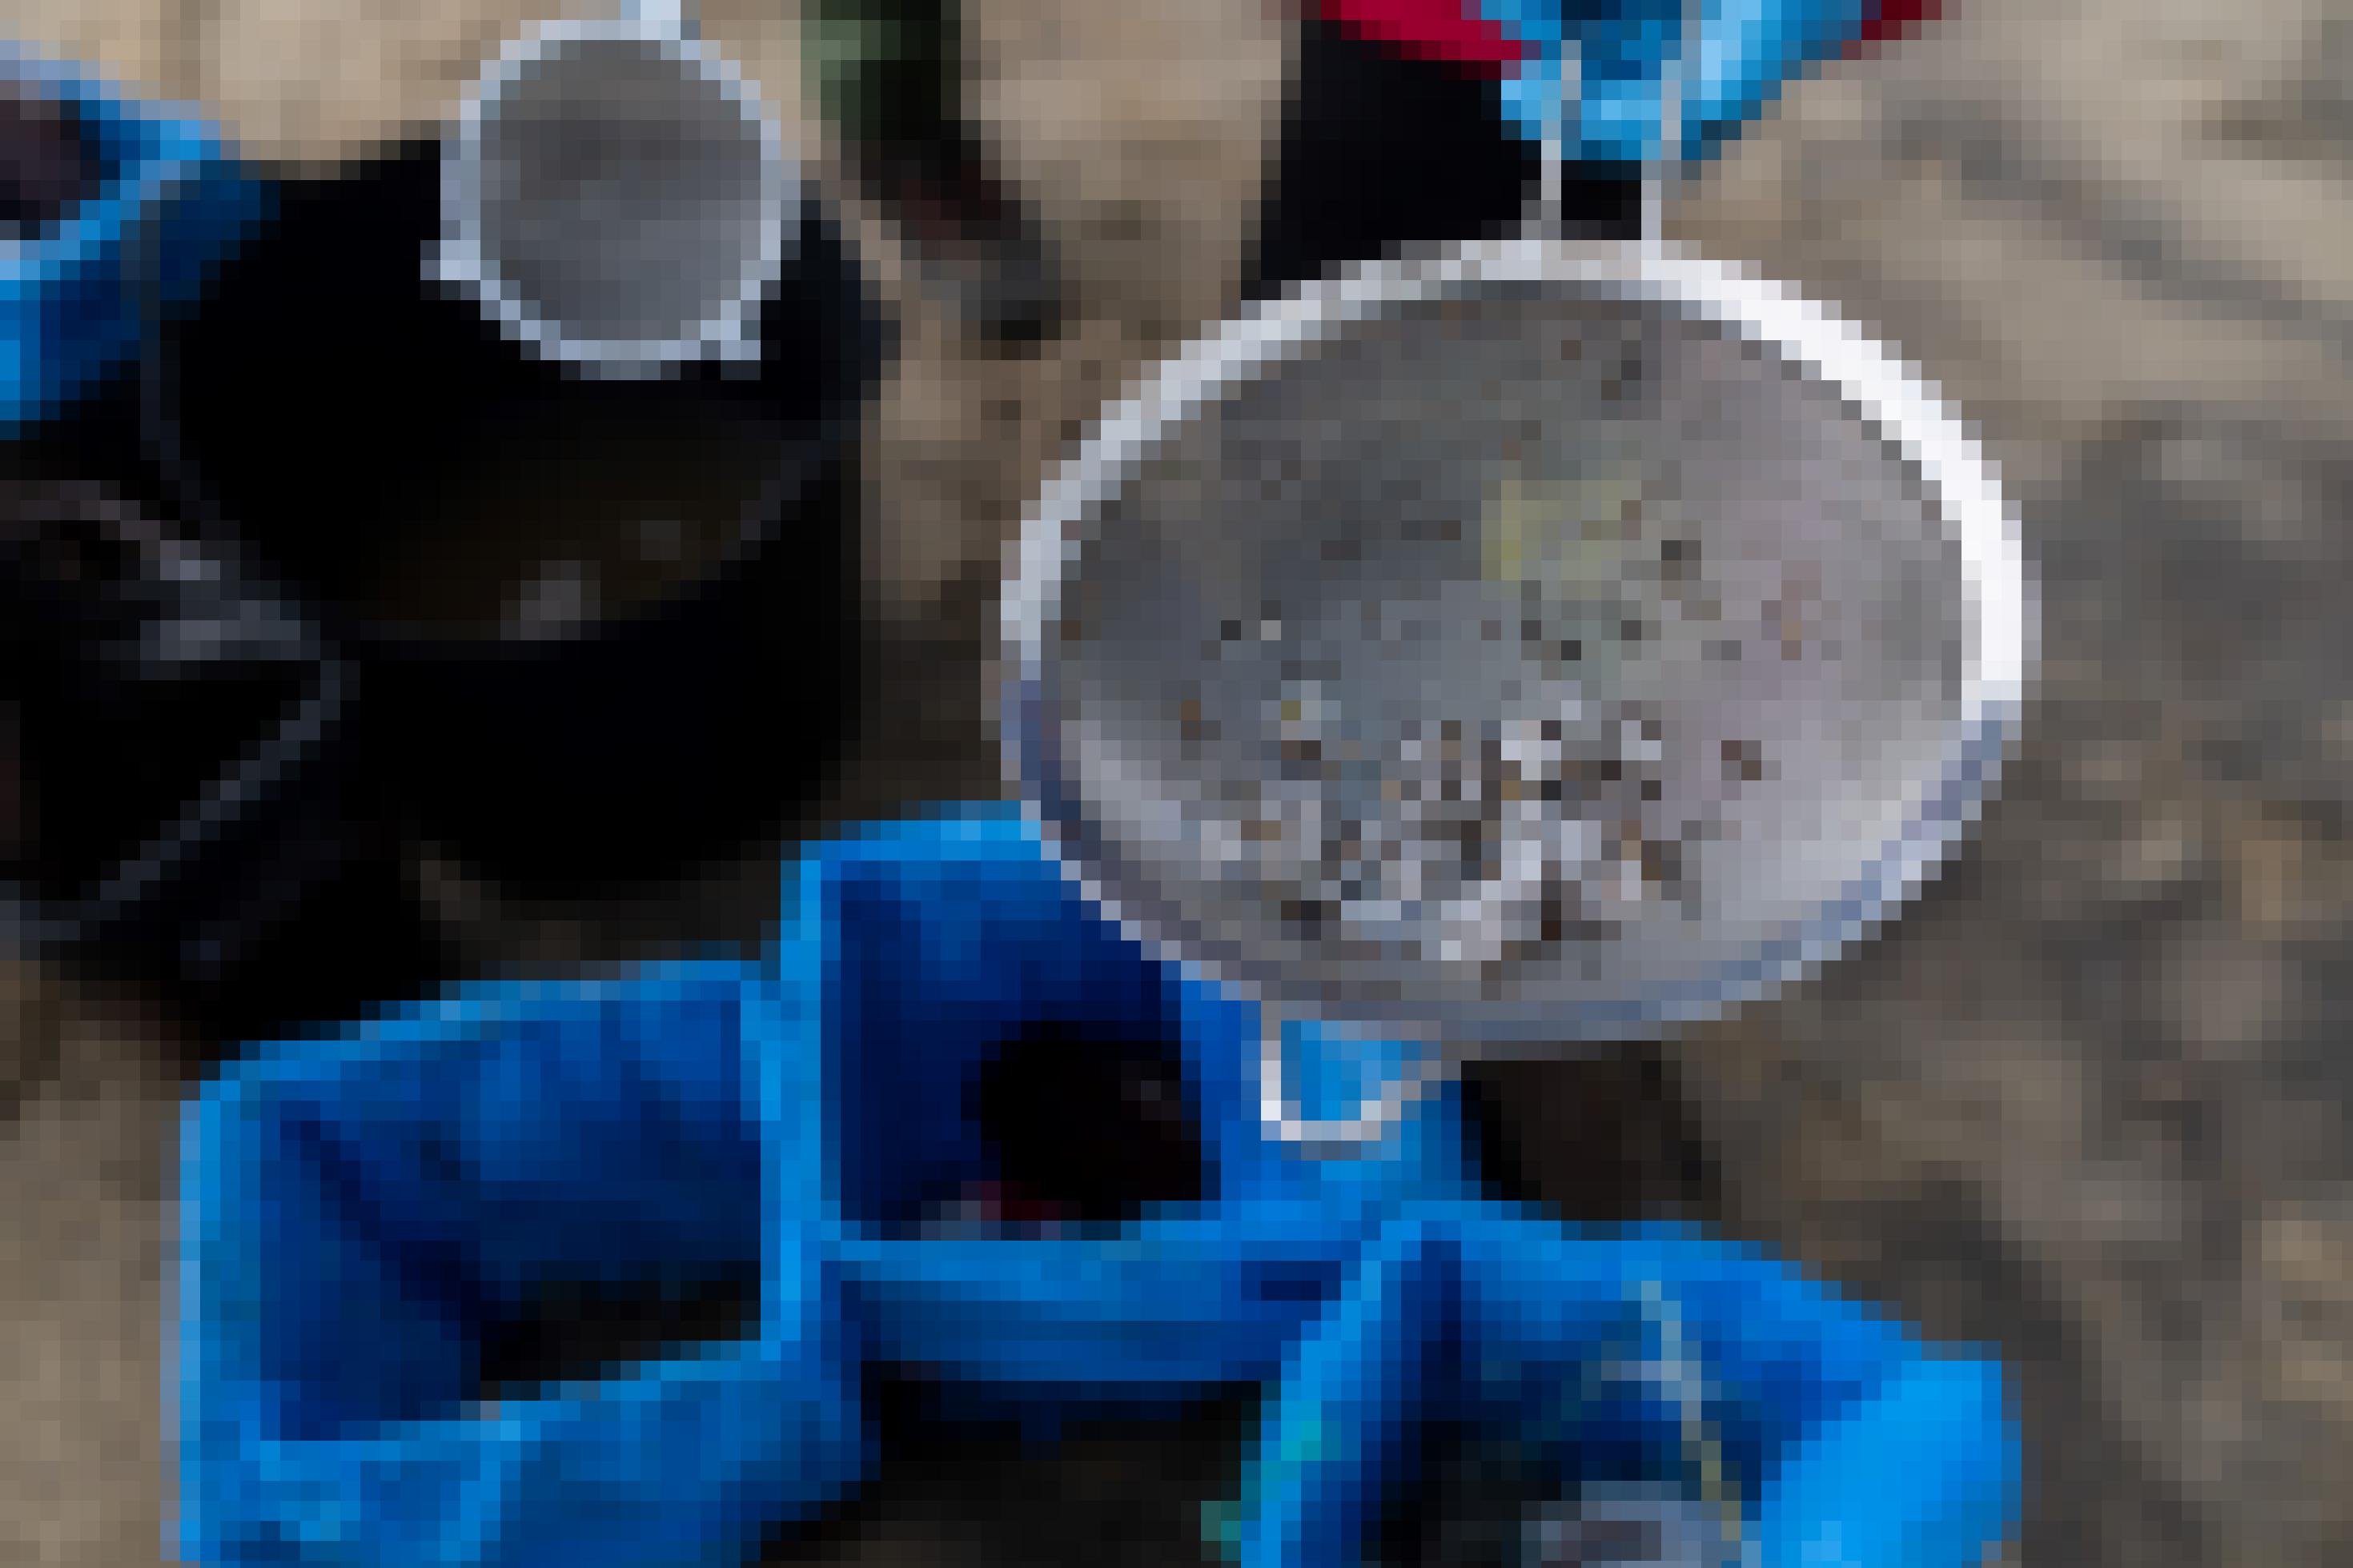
pixel 1663 170
pixel 1558 116
pixel 1374 1120
pixel 660 15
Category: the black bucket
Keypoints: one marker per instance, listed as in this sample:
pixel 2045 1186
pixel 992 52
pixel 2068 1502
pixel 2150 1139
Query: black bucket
pixel 177 816
pixel 606 631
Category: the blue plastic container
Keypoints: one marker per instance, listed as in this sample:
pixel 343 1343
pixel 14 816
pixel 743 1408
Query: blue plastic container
pixel 79 298
pixel 909 950
pixel 362 1212
pixel 359 1213
pixel 1842 1439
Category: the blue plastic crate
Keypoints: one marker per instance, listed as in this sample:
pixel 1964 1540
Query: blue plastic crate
pixel 79 300
pixel 909 951
pixel 358 1213
pixel 1841 1439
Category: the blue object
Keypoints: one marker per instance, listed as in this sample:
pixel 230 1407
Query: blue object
pixel 79 298
pixel 910 951
pixel 358 1213
pixel 361 1213
pixel 1744 53
pixel 1845 1441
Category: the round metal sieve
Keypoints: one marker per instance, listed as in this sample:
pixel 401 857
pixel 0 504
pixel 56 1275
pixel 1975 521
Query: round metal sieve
pixel 616 198
pixel 1546 642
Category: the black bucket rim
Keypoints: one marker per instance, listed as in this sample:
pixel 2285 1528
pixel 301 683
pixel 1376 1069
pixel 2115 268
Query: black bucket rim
pixel 854 346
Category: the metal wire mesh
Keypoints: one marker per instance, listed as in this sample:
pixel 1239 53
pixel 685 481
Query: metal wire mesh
pixel 1525 655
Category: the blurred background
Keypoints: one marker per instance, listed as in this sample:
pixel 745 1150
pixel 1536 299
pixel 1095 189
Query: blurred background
pixel 2087 1102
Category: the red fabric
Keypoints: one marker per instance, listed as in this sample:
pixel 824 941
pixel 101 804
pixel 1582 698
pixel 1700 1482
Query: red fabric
pixel 1452 32
pixel 1894 18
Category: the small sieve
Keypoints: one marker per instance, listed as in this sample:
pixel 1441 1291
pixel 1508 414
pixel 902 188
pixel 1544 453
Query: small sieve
pixel 616 198
pixel 1549 641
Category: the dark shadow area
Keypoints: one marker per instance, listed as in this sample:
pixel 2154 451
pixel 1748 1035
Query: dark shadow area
pixel 1603 1138
pixel 574 1332
pixel 1127 1493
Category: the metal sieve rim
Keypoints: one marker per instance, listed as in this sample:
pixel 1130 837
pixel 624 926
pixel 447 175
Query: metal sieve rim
pixel 1959 479
pixel 458 260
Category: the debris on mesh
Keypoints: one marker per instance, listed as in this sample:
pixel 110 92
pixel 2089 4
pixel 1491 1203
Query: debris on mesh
pixel 1492 838
pixel 1533 808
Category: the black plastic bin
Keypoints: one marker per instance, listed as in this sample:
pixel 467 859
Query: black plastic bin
pixel 344 419
pixel 178 819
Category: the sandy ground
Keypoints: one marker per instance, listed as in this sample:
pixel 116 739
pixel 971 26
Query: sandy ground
pixel 2086 1102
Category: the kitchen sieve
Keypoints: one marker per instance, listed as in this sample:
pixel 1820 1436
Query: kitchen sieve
pixel 614 197
pixel 1546 641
